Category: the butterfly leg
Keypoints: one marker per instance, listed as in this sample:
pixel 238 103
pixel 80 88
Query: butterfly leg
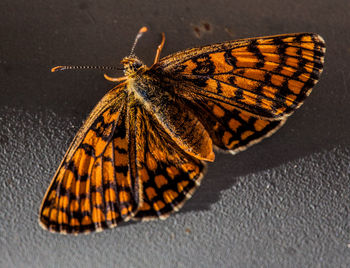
pixel 114 79
pixel 159 49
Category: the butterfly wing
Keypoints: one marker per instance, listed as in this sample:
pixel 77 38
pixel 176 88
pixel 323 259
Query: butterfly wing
pixel 268 77
pixel 167 173
pixel 94 186
pixel 232 129
pixel 242 91
pixel 121 165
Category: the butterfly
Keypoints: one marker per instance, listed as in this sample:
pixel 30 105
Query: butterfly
pixel 141 153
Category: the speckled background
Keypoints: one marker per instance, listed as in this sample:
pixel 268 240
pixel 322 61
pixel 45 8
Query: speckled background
pixel 282 203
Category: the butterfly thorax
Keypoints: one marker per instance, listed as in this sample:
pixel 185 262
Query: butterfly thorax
pixel 143 83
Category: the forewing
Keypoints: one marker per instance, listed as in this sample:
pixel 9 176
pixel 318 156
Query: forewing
pixel 168 175
pixel 93 188
pixel 267 77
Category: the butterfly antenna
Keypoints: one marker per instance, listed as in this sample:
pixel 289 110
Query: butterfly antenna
pixel 139 34
pixel 63 68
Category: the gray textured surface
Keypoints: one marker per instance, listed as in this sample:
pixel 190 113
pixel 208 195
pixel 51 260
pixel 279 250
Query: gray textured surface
pixel 282 203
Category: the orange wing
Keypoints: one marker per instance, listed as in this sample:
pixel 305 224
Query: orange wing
pixel 168 175
pixel 232 129
pixel 94 186
pixel 122 165
pixel 267 77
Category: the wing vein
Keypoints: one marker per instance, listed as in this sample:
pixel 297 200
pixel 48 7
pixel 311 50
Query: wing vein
pixel 115 185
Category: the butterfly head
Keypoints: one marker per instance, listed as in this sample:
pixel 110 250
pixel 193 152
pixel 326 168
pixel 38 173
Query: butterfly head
pixel 132 65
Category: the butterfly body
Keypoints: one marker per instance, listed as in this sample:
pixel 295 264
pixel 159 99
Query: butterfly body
pixel 141 152
pixel 155 93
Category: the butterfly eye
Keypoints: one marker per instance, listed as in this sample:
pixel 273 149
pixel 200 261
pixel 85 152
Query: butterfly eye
pixel 136 65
